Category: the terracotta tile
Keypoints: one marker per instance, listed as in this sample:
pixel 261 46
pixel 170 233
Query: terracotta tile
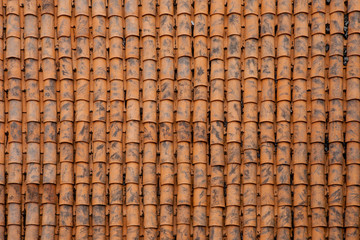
pixel 186 119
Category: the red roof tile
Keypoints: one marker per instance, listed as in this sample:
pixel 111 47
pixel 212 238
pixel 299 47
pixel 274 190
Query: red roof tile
pixel 189 119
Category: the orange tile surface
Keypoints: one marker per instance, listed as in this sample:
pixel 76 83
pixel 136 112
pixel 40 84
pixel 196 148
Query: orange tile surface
pixel 180 119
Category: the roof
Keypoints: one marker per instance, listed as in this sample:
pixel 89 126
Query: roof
pixel 236 119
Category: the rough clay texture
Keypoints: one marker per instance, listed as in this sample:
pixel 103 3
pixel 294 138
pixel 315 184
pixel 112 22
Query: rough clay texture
pixel 228 119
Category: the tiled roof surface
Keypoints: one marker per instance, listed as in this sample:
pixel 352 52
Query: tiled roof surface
pixel 235 119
